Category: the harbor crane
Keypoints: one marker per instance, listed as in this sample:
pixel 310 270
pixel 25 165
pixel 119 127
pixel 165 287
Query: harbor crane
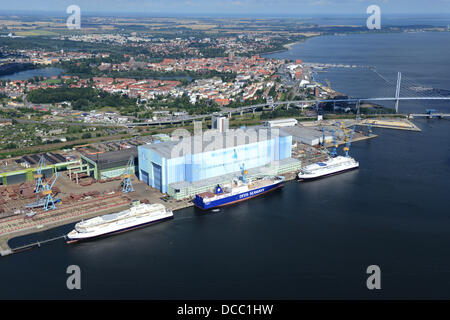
pixel 49 201
pixel 127 186
pixel 39 175
pixel 348 139
pixel 322 143
pixel 335 144
pixel 369 129
pixel 243 173
pixel 333 152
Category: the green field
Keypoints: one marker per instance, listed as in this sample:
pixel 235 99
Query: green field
pixel 36 33
pixel 53 81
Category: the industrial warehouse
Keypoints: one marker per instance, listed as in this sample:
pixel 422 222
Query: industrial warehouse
pixel 104 166
pixel 194 164
pixel 24 168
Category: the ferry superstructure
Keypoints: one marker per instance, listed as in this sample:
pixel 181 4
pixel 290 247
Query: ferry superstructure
pixel 135 217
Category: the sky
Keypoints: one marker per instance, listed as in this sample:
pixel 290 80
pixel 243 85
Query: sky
pixel 236 7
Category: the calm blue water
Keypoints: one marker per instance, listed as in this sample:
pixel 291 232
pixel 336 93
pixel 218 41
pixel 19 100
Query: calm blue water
pixel 386 20
pixel 28 74
pixel 307 240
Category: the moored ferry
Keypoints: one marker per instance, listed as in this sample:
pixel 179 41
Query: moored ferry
pixel 332 166
pixel 236 191
pixel 137 216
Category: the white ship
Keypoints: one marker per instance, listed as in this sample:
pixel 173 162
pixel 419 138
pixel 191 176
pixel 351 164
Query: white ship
pixel 334 165
pixel 135 217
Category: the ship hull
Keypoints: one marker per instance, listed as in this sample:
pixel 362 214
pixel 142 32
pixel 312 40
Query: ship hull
pixel 93 236
pixel 198 202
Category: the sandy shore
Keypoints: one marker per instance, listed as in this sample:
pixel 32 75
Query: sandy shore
pixel 289 45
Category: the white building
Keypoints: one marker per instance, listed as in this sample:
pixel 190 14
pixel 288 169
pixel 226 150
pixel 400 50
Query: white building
pixel 220 123
pixel 281 123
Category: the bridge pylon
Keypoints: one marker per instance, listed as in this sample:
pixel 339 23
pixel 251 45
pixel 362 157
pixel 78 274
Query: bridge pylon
pixel 397 91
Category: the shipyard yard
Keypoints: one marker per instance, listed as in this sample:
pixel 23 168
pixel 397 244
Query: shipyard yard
pixel 83 196
pixel 78 203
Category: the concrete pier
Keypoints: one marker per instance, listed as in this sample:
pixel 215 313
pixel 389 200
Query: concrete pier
pixel 4 247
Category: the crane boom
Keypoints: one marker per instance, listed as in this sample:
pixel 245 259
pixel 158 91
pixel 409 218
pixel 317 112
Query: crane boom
pixel 49 201
pixel 39 176
pixel 127 186
pixel 333 152
pixel 349 141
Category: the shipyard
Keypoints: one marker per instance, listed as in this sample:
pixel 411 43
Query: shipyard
pixel 44 191
pixel 208 142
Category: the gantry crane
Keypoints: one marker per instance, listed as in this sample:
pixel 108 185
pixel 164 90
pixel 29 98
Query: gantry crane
pixel 322 143
pixel 369 129
pixel 49 201
pixel 348 138
pixel 335 144
pixel 126 182
pixel 333 152
pixel 244 174
pixel 39 175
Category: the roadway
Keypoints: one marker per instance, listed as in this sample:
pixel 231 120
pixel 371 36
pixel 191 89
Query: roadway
pixel 240 110
pixel 295 104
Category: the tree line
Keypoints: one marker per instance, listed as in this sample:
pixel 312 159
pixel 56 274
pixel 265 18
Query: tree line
pixel 83 99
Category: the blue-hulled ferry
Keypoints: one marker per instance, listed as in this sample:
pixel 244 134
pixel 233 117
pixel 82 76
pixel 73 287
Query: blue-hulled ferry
pixel 236 191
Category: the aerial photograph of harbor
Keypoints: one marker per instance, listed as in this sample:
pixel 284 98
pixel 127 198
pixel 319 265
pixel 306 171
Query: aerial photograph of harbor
pixel 225 150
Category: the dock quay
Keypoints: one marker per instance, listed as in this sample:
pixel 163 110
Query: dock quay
pixel 398 124
pixel 18 225
pixel 429 115
pixel 382 122
pixel 4 248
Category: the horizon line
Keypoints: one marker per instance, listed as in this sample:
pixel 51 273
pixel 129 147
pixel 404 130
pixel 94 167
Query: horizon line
pixel 63 13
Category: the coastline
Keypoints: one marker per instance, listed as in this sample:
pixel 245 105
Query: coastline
pixel 289 46
pixel 14 67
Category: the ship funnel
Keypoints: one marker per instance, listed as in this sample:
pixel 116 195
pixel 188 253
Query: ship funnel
pixel 219 190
